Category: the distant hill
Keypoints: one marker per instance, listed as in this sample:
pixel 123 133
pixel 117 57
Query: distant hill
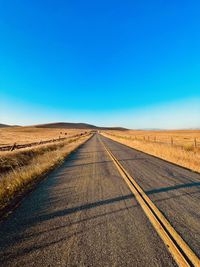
pixel 4 125
pixel 70 125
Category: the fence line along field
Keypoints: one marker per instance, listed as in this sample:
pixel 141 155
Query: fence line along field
pixel 25 135
pixel 187 139
pixel 181 146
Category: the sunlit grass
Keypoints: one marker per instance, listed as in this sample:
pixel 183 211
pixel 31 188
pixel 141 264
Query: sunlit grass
pixel 184 154
pixel 35 164
pixel 23 135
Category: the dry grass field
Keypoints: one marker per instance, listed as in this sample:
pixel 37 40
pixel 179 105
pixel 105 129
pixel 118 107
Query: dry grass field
pixel 24 135
pixel 20 169
pixel 181 147
pixel 184 138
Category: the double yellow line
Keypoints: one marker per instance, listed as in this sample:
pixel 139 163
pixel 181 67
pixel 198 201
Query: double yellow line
pixel 181 252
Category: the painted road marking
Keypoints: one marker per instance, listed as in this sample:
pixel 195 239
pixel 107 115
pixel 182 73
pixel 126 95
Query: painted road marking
pixel 181 252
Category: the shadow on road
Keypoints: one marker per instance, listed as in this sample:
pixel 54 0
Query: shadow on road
pixel 14 237
pixel 169 188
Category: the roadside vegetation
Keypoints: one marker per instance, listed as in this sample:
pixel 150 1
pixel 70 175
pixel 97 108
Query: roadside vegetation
pixel 179 147
pixel 21 169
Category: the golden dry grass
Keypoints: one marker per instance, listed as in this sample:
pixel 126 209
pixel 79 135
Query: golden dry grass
pixel 183 138
pixel 9 160
pixel 182 152
pixel 23 135
pixel 37 162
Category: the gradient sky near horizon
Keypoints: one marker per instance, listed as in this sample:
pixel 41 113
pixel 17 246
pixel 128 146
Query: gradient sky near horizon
pixel 127 63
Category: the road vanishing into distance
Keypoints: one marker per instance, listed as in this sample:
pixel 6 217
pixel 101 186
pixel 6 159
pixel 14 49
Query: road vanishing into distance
pixel 85 213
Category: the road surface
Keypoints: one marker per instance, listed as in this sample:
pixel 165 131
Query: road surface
pixel 84 214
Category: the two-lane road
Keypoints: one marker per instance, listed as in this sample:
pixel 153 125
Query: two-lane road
pixel 84 214
pixel 174 190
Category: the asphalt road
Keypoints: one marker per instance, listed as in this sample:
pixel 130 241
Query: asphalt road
pixel 173 189
pixel 84 214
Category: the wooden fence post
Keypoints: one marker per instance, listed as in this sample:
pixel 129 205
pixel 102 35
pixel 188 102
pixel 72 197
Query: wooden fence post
pixel 13 147
pixel 172 141
pixel 195 142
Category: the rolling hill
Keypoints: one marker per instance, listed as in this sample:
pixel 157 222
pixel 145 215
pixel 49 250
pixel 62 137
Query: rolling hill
pixel 4 125
pixel 69 125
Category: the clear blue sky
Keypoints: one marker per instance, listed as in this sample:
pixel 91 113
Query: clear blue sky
pixel 102 62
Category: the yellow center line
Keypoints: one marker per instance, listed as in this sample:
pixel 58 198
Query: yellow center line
pixel 181 252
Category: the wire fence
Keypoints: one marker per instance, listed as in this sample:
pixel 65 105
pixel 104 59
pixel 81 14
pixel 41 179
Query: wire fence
pixel 179 141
